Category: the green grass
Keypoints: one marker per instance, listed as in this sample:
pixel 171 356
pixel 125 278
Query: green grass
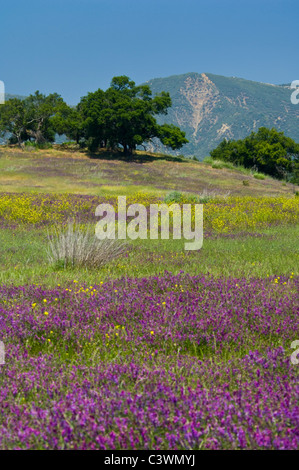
pixel 23 255
pixel 220 164
pixel 23 258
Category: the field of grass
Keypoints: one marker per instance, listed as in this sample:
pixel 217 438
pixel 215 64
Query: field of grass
pixel 162 348
pixel 24 259
pixel 104 173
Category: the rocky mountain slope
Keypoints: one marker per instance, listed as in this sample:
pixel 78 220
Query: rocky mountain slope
pixel 211 107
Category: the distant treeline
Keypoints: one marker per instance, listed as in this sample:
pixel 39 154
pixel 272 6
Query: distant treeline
pixel 123 115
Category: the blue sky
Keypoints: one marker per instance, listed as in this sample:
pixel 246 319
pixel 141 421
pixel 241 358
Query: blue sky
pixel 75 46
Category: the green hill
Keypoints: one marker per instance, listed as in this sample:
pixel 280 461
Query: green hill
pixel 211 107
pixel 105 173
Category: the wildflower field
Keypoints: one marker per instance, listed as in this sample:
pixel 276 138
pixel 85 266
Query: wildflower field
pixel 160 348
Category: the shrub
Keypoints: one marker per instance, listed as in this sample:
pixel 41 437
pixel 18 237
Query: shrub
pixel 217 164
pixel 174 196
pixel 245 182
pixel 30 143
pixel 208 160
pixel 269 151
pixel 220 164
pixel 73 246
pixel 33 144
pixel 203 199
pixel 259 176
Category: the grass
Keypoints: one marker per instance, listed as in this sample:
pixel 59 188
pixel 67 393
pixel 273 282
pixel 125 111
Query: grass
pixel 23 258
pixel 78 172
pixel 102 332
pixel 221 164
pixel 70 246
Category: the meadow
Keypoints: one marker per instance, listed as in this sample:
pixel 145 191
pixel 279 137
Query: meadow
pixel 160 348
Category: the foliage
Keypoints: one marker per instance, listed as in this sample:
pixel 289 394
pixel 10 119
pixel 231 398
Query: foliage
pixel 259 176
pixel 267 151
pixel 125 115
pixel 69 121
pixel 178 197
pixel 174 196
pixel 30 118
pixel 13 120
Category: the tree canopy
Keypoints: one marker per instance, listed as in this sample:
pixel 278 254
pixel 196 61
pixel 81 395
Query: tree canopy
pixel 266 150
pixel 125 115
pixel 31 117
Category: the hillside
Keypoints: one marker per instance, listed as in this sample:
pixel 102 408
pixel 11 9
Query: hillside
pixel 211 107
pixel 104 173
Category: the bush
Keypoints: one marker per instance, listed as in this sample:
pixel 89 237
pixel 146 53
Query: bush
pixel 180 198
pixel 245 182
pixel 203 199
pixel 174 196
pixel 72 246
pixel 269 151
pixel 92 144
pixel 218 164
pixel 208 160
pixel 44 145
pixel 259 176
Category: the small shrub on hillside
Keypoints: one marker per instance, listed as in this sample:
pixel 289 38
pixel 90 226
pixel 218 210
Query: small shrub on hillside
pixel 245 182
pixel 29 143
pixel 70 145
pixel 217 164
pixel 180 198
pixel 45 145
pixel 174 196
pixel 208 160
pixel 259 176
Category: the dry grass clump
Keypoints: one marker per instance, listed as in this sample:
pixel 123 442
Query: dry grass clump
pixel 72 245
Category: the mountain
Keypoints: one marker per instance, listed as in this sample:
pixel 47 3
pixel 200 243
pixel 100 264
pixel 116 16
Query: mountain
pixel 210 108
pixel 10 97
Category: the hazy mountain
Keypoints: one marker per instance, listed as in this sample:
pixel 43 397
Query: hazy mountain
pixel 10 97
pixel 211 107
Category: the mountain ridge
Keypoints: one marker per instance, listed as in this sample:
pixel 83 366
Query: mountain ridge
pixel 211 107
